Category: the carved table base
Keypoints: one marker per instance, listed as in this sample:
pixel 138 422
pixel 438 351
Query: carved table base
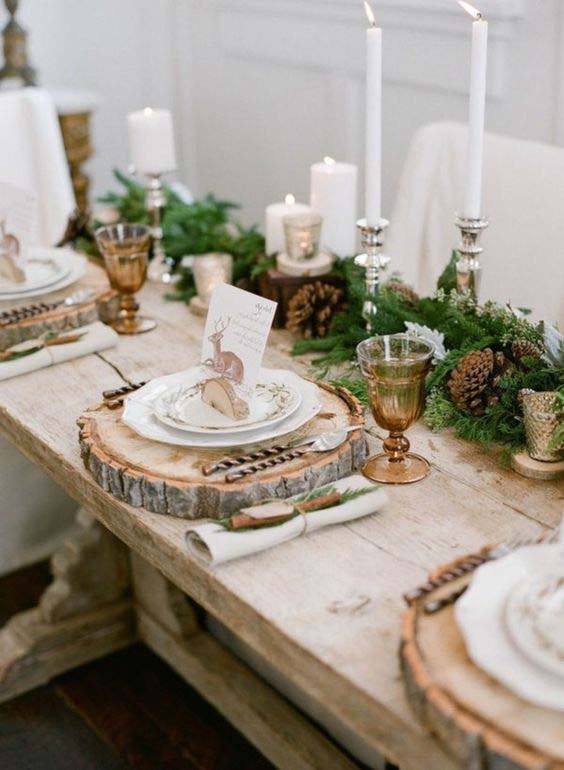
pixel 84 614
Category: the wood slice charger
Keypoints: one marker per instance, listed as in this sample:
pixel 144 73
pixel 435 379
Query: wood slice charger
pixel 482 723
pixel 168 479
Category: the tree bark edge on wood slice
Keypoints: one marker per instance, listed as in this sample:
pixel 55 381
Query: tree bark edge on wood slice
pixel 123 464
pixel 477 743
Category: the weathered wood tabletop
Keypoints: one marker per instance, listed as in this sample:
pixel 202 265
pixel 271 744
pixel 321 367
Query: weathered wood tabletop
pixel 325 609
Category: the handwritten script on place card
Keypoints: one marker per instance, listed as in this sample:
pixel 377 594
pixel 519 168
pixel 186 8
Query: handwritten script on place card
pixel 235 336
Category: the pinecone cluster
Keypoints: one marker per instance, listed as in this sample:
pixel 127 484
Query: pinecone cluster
pixel 403 291
pixel 312 308
pixel 525 349
pixel 473 384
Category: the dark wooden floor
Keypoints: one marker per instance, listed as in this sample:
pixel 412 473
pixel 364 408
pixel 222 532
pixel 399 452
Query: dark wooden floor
pixel 128 710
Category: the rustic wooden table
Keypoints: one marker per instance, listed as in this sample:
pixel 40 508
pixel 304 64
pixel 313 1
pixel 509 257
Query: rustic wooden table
pixel 324 611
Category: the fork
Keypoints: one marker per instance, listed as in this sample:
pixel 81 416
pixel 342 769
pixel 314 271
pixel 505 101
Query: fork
pixel 469 565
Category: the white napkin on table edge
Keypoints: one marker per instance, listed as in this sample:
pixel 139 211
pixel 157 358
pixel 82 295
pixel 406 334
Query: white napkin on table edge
pixel 213 544
pixel 97 336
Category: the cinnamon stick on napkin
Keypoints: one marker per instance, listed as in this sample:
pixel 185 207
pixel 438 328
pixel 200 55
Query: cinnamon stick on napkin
pixel 254 530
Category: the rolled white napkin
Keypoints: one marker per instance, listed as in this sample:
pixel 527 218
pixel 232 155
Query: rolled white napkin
pixel 214 544
pixel 97 336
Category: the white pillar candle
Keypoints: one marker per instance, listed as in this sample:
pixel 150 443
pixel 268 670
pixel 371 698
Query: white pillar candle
pixel 373 201
pixel 275 213
pixel 475 152
pixel 151 141
pixel 333 194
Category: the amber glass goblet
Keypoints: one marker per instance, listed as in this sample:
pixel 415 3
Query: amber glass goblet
pixel 395 367
pixel 125 248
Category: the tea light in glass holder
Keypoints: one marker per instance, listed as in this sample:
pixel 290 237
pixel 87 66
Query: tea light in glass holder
pixel 209 271
pixel 302 233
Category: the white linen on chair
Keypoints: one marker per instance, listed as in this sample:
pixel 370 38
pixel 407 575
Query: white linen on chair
pixel 34 513
pixel 523 197
pixel 32 156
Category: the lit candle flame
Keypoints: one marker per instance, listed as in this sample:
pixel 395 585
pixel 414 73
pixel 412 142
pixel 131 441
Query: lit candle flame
pixel 290 199
pixel 148 111
pixel 369 13
pixel 329 161
pixel 474 12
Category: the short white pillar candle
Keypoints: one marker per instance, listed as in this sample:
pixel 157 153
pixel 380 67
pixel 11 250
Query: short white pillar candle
pixel 151 141
pixel 275 213
pixel 333 194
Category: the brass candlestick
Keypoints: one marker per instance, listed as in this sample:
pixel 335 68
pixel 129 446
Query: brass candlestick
pixel 125 248
pixel 16 68
pixel 468 267
pixel 395 367
pixel 161 266
pixel 372 240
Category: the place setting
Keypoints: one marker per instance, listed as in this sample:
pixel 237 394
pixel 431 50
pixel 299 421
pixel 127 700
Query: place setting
pixel 241 432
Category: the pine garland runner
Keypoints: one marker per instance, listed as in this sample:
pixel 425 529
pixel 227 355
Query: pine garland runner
pixel 207 225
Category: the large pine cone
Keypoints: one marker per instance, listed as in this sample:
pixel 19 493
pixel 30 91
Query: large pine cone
pixel 525 349
pixel 403 291
pixel 312 308
pixel 473 383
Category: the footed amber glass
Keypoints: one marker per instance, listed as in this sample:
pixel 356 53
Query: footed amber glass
pixel 395 367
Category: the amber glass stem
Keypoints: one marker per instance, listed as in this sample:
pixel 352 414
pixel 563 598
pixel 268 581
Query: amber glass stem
pixel 128 308
pixel 396 446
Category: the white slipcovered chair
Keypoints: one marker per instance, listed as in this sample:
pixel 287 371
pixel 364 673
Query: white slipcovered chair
pixel 523 198
pixel 34 513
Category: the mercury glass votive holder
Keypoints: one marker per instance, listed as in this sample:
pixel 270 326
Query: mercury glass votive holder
pixel 209 271
pixel 125 249
pixel 302 233
pixel 395 367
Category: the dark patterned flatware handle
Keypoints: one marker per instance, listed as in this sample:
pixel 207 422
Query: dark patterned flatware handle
pixel 271 462
pixel 114 398
pixel 436 605
pixel 232 462
pixel 464 568
pixel 9 317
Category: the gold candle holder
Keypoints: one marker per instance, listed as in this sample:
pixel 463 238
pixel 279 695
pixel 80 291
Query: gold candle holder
pixel 395 367
pixel 125 248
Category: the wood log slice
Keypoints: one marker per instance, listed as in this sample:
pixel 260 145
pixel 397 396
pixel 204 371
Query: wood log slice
pixel 482 723
pixel 60 319
pixel 168 479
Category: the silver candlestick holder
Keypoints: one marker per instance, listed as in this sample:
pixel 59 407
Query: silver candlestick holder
pixel 468 266
pixel 372 260
pixel 160 268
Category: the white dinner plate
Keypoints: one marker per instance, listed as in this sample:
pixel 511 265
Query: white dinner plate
pixel 534 615
pixel 76 264
pixel 481 616
pixel 41 270
pixel 181 406
pixel 139 414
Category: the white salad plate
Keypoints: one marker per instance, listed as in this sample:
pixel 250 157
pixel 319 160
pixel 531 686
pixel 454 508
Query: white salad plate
pixel 72 266
pixel 41 270
pixel 182 407
pixel 139 413
pixel 534 615
pixel 487 621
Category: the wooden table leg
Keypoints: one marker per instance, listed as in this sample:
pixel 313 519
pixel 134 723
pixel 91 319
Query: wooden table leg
pixel 168 623
pixel 84 614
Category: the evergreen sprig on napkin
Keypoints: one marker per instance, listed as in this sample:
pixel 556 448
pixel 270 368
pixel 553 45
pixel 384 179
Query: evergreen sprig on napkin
pixel 282 511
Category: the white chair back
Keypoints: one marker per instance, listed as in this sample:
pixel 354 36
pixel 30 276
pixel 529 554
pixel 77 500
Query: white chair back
pixel 32 156
pixel 523 260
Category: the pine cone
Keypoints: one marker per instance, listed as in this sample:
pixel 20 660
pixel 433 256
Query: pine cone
pixel 312 308
pixel 525 349
pixel 403 291
pixel 468 383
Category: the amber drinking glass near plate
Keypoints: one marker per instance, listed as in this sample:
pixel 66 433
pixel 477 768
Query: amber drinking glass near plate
pixel 125 248
pixel 395 367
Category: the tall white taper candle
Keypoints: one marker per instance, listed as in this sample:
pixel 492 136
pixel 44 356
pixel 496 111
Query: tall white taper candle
pixel 476 124
pixel 373 201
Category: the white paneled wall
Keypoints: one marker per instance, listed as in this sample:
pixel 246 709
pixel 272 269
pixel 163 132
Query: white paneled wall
pixel 263 88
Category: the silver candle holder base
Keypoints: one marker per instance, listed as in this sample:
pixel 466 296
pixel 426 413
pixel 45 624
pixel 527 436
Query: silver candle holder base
pixel 161 266
pixel 468 266
pixel 372 260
